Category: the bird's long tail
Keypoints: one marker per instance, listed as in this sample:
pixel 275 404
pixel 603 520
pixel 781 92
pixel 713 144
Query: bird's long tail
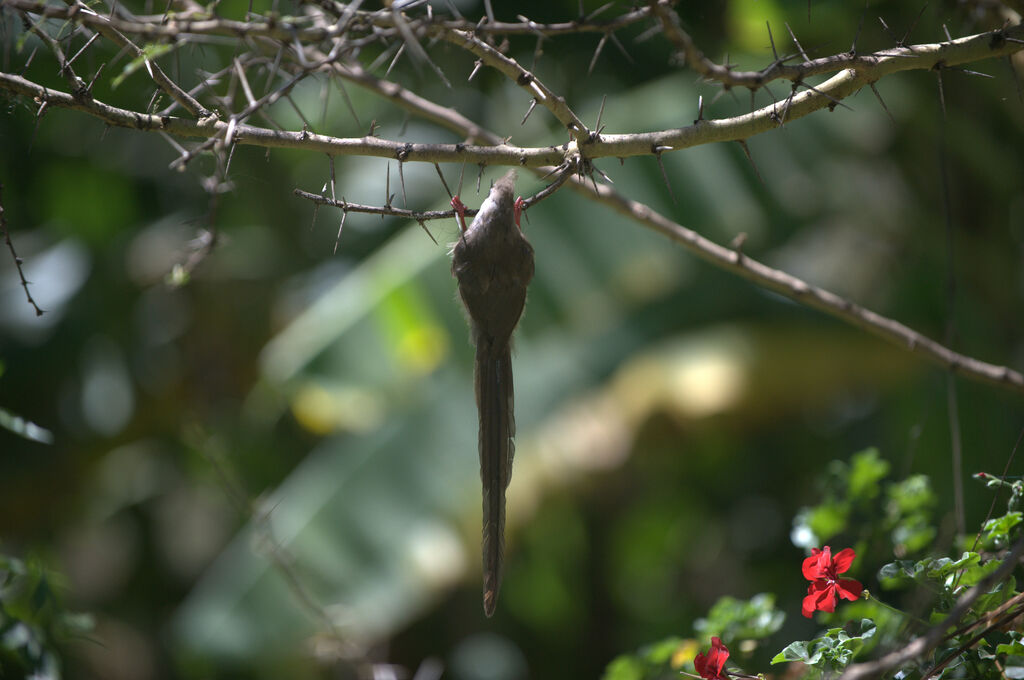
pixel 494 398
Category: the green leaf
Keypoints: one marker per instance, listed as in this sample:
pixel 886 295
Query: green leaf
pixel 828 519
pixel 1015 647
pixel 898 573
pixel 999 594
pixel 624 667
pixel 661 652
pixel 832 651
pixel 798 651
pixel 997 530
pixel 732 619
pixel 867 468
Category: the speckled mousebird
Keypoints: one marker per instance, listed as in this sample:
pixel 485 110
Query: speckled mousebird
pixel 493 263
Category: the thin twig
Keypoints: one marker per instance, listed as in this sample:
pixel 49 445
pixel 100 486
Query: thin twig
pixel 14 255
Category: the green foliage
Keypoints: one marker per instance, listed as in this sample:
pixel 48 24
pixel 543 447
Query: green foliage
pixel 904 514
pixel 659 660
pixel 1001 531
pixel 833 651
pixel 732 619
pixel 32 622
pixel 855 497
pixel 908 513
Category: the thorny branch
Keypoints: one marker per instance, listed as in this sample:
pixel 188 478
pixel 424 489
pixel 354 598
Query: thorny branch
pixel 328 39
pixel 17 260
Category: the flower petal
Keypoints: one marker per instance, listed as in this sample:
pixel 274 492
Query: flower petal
pixel 700 663
pixel 813 566
pixel 843 560
pixel 849 588
pixel 711 667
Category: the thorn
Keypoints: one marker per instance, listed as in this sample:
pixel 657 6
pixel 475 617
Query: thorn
pixel 394 61
pixel 348 101
pixel 456 14
pixel 797 42
pixel 537 50
pixel 789 102
pixel 969 72
pixel 600 112
pixel 88 88
pixel 860 25
pixel 90 41
pixel 373 128
pixel 622 48
pixel 489 10
pixel 664 176
pixel 385 54
pixel 424 225
pixel 316 210
pixel 772 41
pixel 476 67
pixel 605 177
pixel 906 36
pixel 441 175
pixel 882 102
pixel 649 33
pixel 401 179
pixel 387 188
pixel 597 53
pixel 337 239
pixel 533 105
pixel 835 102
pixel 942 95
pixel 28 62
pixel 700 109
pixel 597 11
pixel 746 151
pixel 462 172
pixel 888 32
pixel 737 244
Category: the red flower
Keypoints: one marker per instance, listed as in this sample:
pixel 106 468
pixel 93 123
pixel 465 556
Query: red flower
pixel 822 570
pixel 711 667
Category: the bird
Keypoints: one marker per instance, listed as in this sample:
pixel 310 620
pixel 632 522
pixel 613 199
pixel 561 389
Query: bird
pixel 493 264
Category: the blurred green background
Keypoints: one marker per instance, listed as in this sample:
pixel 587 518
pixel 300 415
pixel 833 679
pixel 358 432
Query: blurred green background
pixel 290 438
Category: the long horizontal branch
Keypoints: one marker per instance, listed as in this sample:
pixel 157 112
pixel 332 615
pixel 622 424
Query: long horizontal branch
pixel 500 154
pixel 870 69
pixel 306 29
pixel 863 70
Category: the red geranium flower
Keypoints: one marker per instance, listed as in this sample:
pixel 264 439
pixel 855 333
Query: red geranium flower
pixel 711 667
pixel 822 570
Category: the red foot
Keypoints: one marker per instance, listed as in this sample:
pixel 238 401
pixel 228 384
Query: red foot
pixel 517 210
pixel 460 210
